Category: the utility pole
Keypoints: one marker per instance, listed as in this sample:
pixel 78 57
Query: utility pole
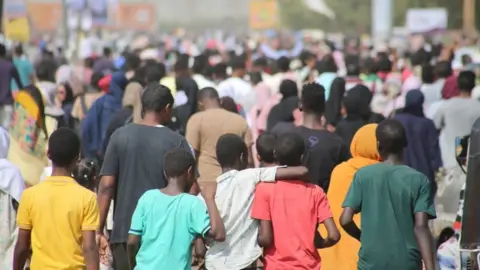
pixel 469 17
pixel 65 30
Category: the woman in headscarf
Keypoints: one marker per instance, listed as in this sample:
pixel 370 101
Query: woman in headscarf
pixel 28 134
pixel 64 101
pixel 344 255
pixel 11 188
pixel 398 102
pixel 358 112
pixel 423 151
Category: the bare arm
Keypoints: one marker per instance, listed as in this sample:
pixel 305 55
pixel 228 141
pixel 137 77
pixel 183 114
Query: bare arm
pixel 424 239
pixel 133 245
pixel 333 235
pixel 217 228
pixel 22 248
pixel 289 173
pixel 346 220
pixel 106 190
pixel 200 248
pixel 265 234
pixel 90 250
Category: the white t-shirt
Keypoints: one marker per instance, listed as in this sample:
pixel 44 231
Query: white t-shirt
pixel 240 90
pixel 234 199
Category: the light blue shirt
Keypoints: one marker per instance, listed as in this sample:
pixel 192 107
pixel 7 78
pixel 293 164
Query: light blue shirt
pixel 25 71
pixel 167 226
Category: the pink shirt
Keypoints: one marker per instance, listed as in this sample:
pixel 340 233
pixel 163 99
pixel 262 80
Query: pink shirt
pixel 295 209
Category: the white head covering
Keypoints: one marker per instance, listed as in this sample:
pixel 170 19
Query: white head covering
pixel 11 180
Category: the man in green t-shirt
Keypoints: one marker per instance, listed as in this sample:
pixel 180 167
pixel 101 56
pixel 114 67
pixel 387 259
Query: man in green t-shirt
pixel 396 204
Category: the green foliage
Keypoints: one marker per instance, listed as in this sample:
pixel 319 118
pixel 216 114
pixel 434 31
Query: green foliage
pixel 354 16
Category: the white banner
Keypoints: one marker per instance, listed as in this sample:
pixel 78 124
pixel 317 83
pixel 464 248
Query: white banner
pixel 426 20
pixel 321 7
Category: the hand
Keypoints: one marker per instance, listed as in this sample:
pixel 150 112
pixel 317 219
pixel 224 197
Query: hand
pixel 209 190
pixel 103 249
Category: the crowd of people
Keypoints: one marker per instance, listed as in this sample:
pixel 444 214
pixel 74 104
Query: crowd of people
pixel 229 161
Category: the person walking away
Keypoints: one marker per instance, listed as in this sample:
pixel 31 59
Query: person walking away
pixel 327 70
pixel 130 169
pixel 94 126
pixel 344 255
pixel 104 64
pixel 423 151
pixel 396 203
pixel 290 212
pixel 431 88
pixel 237 87
pixel 24 68
pixel 203 133
pixel 234 198
pixel 72 208
pixel 29 135
pixel 284 73
pixel 455 117
pixel 283 111
pixel 199 68
pixel 8 73
pixel 353 72
pixel 84 101
pixel 324 150
pixel 167 220
pixel 358 113
pixel 11 189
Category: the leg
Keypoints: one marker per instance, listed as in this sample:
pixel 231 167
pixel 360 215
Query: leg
pixel 120 258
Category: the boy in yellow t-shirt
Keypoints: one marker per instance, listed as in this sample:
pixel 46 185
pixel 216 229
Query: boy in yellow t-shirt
pixel 58 217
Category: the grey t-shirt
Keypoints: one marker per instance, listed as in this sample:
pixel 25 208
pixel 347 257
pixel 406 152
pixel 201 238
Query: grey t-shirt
pixel 135 157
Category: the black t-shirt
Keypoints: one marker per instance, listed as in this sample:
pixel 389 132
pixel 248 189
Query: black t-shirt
pixel 282 112
pixel 135 157
pixel 324 151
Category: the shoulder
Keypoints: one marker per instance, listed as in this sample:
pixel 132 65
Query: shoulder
pixel 196 116
pixel 368 170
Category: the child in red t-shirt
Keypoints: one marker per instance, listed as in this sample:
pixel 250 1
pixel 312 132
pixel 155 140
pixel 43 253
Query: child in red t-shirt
pixel 289 214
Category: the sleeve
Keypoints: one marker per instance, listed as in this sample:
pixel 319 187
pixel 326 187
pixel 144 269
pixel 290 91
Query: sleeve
pixel 354 195
pixel 424 201
pixel 323 208
pixel 138 217
pixel 261 203
pixel 248 137
pixel 438 117
pixel 111 161
pixel 435 155
pixel 343 153
pixel 199 218
pixel 16 77
pixel 192 133
pixel 24 218
pixel 266 174
pixel 91 213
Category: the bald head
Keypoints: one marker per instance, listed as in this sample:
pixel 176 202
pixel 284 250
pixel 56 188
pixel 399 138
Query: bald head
pixel 208 98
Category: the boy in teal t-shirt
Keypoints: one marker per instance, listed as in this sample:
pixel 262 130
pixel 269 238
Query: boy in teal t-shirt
pixel 166 221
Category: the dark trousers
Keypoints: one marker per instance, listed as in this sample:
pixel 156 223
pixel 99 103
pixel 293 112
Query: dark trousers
pixel 120 256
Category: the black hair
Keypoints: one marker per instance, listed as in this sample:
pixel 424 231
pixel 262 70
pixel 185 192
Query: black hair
pixel 327 64
pixel 384 63
pixel 63 147
pixel 283 64
pixel 3 50
pixel 89 62
pixel 107 52
pixel 229 149
pixel 177 162
pixel 420 57
pixel 443 69
pixel 85 172
pixel 199 64
pixel 154 72
pixel 237 63
pixel 182 63
pixel 95 79
pixel 313 98
pixel 466 59
pixel 220 70
pixel 305 56
pixel 369 65
pixel 229 104
pixel 391 137
pixel 45 70
pixel 208 93
pixel 428 74
pixel 466 81
pixel 260 62
pixel 18 50
pixel 156 97
pixel 289 149
pixel 69 97
pixel 265 146
pixel 288 88
pixel 256 77
pixel 352 63
pixel 132 62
